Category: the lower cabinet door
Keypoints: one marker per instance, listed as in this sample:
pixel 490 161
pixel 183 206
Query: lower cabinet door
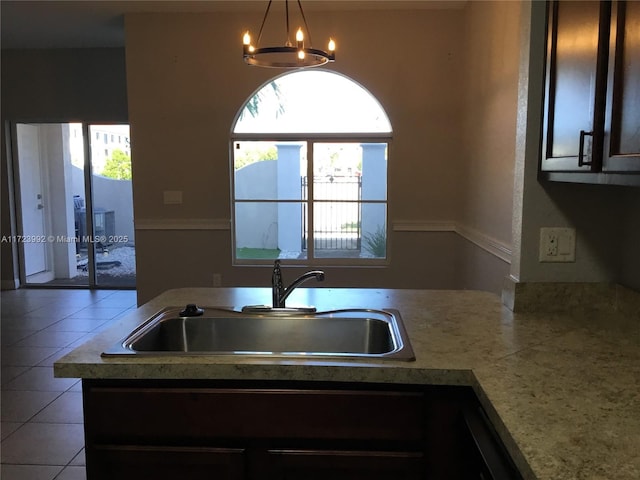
pixel 347 465
pixel 483 454
pixel 124 462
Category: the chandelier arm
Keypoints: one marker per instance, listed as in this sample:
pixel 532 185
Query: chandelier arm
pixel 264 19
pixel 304 20
pixel 286 7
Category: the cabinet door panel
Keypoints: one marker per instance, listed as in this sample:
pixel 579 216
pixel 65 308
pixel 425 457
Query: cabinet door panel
pixel 125 462
pixel 575 85
pixel 622 140
pixel 347 465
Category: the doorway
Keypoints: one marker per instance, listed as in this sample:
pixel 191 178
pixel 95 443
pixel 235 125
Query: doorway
pixel 74 205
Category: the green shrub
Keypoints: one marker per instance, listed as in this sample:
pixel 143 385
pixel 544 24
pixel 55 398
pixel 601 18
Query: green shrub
pixel 376 243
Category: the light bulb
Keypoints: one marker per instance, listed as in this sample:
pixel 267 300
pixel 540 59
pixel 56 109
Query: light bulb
pixel 299 35
pixel 246 39
pixel 300 55
pixel 332 45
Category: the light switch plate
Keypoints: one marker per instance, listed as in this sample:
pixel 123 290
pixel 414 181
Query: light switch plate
pixel 172 197
pixel 557 244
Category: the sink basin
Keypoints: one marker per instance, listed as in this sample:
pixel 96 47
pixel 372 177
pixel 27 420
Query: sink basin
pixel 219 331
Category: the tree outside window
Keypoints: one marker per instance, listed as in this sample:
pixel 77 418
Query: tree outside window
pixel 117 166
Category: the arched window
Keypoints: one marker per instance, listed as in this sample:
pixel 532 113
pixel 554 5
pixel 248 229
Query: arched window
pixel 309 183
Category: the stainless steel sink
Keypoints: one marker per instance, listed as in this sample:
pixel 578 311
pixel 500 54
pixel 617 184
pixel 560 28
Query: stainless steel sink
pixel 218 331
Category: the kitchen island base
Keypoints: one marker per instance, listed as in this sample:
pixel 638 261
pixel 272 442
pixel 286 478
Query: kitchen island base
pixel 197 429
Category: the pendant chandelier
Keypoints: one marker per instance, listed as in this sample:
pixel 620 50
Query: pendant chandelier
pixel 290 55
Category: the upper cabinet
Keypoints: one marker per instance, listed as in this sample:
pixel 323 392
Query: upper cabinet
pixel 591 130
pixel 622 121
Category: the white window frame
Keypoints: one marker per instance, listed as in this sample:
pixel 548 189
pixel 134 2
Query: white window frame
pixel 310 139
pixel 377 135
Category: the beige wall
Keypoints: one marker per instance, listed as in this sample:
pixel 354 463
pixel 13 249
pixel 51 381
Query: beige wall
pixel 62 85
pixel 492 46
pixel 491 75
pixel 186 82
pixel 460 112
pixel 182 106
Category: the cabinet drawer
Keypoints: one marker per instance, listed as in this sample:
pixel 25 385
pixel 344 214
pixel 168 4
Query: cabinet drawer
pixel 124 462
pixel 188 413
pixel 347 465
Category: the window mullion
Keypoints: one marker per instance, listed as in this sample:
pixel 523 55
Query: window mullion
pixel 310 197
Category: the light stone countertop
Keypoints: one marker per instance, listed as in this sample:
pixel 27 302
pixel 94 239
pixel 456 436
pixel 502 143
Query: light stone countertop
pixel 562 390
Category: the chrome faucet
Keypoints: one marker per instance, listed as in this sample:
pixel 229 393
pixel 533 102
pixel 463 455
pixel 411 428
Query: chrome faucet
pixel 280 292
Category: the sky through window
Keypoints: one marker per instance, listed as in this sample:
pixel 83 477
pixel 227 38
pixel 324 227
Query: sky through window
pixel 314 102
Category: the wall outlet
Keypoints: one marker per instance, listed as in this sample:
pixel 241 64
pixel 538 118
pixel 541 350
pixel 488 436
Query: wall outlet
pixel 551 244
pixel 217 279
pixel 557 244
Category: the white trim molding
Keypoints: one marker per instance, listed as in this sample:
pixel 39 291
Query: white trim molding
pixel 490 244
pixel 412 226
pixel 183 224
pixel 487 243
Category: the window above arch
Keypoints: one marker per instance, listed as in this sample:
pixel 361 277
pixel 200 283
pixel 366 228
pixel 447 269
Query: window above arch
pixel 316 102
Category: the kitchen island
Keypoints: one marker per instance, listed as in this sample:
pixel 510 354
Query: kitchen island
pixel 561 390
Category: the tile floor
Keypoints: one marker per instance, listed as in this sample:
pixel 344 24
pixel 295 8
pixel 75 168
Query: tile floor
pixel 42 426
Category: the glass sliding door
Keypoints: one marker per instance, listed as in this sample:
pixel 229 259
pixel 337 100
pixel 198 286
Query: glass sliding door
pixel 64 236
pixel 49 165
pixel 112 205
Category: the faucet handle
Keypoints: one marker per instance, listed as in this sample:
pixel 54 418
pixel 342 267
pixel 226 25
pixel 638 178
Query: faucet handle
pixel 276 276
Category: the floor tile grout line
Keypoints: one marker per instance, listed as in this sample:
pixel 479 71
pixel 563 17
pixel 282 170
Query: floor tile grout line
pixel 15 344
pixel 30 421
pixel 34 332
pixel 38 412
pixel 9 436
pixel 5 389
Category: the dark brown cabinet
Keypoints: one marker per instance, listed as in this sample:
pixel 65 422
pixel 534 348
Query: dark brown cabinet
pixel 135 462
pixel 484 457
pixel 576 59
pixel 591 125
pixel 622 135
pixel 345 465
pixel 285 430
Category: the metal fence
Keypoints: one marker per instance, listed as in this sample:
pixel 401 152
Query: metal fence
pixel 337 213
